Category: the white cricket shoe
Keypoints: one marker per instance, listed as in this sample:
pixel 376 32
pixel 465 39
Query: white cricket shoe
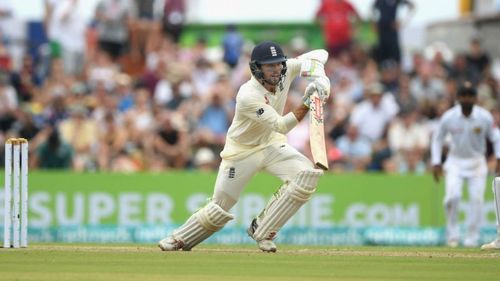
pixel 170 244
pixel 493 245
pixel 266 245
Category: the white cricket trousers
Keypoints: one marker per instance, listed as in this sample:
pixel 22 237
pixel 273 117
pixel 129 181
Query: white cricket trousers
pixel 280 160
pixel 476 187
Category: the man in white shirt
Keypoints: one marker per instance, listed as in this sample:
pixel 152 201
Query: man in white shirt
pixel 373 115
pixel 256 141
pixel 469 125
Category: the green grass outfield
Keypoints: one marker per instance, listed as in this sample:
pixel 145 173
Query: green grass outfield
pixel 146 262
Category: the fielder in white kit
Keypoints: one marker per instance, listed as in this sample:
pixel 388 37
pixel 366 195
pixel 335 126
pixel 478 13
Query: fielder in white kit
pixel 469 125
pixel 256 141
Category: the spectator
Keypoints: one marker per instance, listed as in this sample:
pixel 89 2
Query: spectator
pixel 145 28
pixel 204 77
pixel 336 17
pixel 477 59
pixel 389 76
pixel 71 28
pixel 53 153
pixel 388 28
pixel 112 138
pixel 372 116
pixel 124 92
pixel 25 81
pixel 173 19
pixel 232 42
pixel 171 142
pixel 406 102
pixel 113 21
pixel 461 72
pixel 427 89
pixel 8 103
pixel 213 123
pixel 408 141
pixel 102 71
pixel 80 132
pixel 355 151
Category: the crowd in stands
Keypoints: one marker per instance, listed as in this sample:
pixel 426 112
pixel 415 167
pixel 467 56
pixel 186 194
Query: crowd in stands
pixel 122 94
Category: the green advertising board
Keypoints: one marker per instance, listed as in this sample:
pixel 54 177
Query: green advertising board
pixel 346 209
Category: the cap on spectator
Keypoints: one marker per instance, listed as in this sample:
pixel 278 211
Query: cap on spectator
pixel 375 89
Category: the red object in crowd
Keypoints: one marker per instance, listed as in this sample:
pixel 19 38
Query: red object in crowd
pixel 336 18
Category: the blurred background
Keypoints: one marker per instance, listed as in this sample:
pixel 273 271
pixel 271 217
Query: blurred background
pixel 149 86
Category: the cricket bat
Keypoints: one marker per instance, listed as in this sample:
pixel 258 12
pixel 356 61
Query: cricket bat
pixel 317 132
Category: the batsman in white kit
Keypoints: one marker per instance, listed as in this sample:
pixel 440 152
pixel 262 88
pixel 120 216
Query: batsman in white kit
pixel 469 126
pixel 256 141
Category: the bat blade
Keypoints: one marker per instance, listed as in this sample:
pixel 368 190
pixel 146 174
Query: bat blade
pixel 317 132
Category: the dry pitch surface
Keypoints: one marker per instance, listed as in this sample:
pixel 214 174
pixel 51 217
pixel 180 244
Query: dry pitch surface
pixel 220 263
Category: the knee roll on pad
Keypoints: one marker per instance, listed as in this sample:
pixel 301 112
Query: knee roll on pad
pixel 201 225
pixel 304 184
pixel 212 217
pixel 286 203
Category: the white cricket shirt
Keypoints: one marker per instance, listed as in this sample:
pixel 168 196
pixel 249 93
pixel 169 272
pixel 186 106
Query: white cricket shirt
pixel 258 120
pixel 468 136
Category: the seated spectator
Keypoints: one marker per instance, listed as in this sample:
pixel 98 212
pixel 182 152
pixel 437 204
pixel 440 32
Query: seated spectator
pixel 124 92
pixel 111 142
pixel 56 111
pixel 403 97
pixel 461 72
pixel 53 152
pixel 204 77
pixel 373 114
pixel 80 132
pixel 8 103
pixel 213 123
pixel 171 143
pixel 140 122
pixel 477 59
pixel 176 78
pixel 408 141
pixel 102 71
pixel 372 117
pixel 426 88
pixel 355 151
pixel 25 81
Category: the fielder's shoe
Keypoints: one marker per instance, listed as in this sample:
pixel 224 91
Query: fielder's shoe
pixel 493 245
pixel 170 244
pixel 266 245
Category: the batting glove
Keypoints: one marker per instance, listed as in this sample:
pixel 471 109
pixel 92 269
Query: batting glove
pixel 323 86
pixel 306 98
